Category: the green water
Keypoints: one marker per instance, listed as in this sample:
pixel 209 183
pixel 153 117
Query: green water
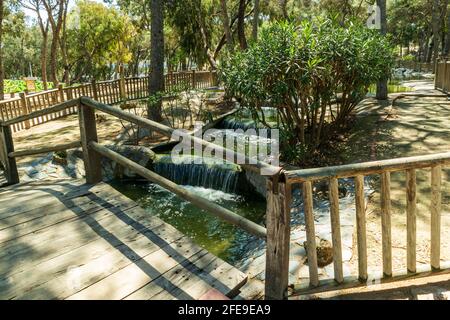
pixel 218 237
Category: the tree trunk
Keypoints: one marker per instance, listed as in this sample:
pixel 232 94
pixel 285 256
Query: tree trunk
pixel 56 22
pixel 2 74
pixel 226 25
pixel 382 87
pixel 283 5
pixel 44 60
pixel 255 21
pixel 241 24
pixel 44 48
pixel 447 39
pixel 156 84
pixel 436 30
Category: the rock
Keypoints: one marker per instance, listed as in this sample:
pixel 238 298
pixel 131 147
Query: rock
pixel 141 155
pixel 324 252
pixel 60 157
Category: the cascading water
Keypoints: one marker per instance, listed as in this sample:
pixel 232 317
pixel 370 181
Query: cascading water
pixel 209 173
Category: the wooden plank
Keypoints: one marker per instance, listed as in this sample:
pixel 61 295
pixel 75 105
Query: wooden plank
pixel 386 223
pixel 33 186
pixel 168 285
pixel 194 280
pixel 310 234
pixel 278 222
pixel 46 217
pixel 66 236
pixel 361 227
pixel 88 133
pixel 411 204
pixel 136 275
pixel 92 262
pixel 336 229
pixel 35 200
pixel 435 208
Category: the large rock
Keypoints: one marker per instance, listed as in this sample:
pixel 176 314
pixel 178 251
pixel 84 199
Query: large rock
pixel 142 155
pixel 324 250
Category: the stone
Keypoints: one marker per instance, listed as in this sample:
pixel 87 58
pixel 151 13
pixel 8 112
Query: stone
pixel 50 170
pixel 41 176
pixel 60 158
pixel 324 252
pixel 32 172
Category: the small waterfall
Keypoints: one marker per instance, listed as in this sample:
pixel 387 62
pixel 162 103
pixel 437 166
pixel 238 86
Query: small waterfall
pixel 235 124
pixel 210 173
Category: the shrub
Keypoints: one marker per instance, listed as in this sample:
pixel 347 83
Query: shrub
pixel 314 74
pixel 16 86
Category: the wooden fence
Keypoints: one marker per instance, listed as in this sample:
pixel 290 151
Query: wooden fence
pixel 417 66
pixel 384 169
pixel 442 78
pixel 109 92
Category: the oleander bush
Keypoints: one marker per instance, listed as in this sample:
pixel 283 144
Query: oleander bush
pixel 314 74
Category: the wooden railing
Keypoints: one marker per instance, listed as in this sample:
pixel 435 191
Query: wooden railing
pixel 279 197
pixel 442 77
pixel 110 92
pixel 93 151
pixel 384 169
pixel 417 66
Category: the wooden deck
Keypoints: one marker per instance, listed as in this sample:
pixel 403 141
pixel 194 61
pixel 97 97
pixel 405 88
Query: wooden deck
pixel 68 240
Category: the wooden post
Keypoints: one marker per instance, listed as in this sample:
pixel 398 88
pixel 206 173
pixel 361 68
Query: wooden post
pixel 194 80
pixel 94 90
pixel 88 133
pixel 61 93
pixel 386 232
pixel 123 93
pixel 278 219
pixel 411 203
pixel 25 109
pixel 7 145
pixel 435 208
pixel 336 230
pixel 361 228
pixel 62 98
pixel 310 234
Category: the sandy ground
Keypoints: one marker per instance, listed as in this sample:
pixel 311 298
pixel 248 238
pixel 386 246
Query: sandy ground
pixel 416 126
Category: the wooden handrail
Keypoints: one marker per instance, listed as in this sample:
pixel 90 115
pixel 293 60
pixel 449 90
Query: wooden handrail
pixel 39 113
pixel 190 196
pixel 30 152
pixel 368 168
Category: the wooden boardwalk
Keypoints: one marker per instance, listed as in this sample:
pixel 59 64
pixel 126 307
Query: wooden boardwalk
pixel 68 240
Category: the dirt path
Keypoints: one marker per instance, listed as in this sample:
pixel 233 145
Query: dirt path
pixel 417 126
